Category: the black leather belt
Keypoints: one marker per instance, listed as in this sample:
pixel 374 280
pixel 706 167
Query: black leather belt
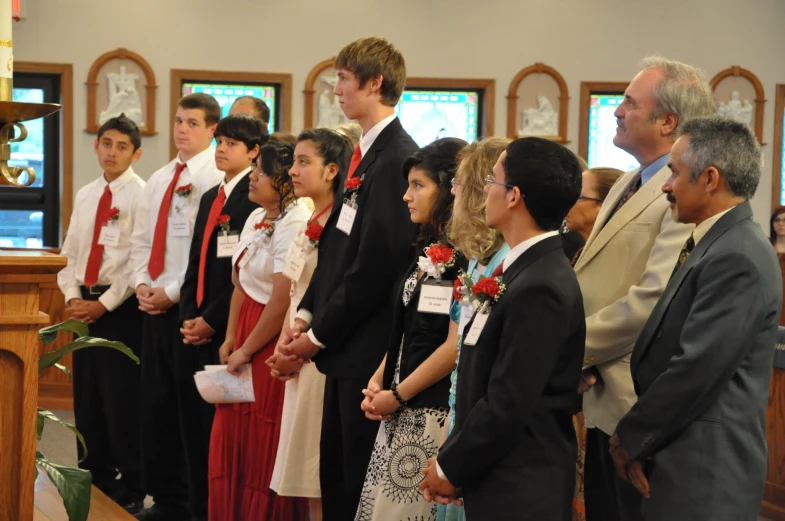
pixel 93 292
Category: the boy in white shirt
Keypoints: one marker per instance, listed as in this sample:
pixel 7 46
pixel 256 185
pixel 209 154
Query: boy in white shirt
pixel 161 243
pixel 96 286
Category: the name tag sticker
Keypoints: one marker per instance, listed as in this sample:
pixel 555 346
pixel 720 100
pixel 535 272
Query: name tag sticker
pixel 435 297
pixel 227 244
pixel 476 330
pixel 467 310
pixel 110 236
pixel 346 219
pixel 179 225
pixel 246 257
pixel 295 263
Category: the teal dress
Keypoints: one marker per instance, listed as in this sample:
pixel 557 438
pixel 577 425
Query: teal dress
pixel 453 512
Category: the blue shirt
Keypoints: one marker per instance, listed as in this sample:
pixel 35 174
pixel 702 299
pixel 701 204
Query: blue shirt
pixel 648 172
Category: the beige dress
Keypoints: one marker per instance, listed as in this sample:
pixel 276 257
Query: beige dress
pixel 296 470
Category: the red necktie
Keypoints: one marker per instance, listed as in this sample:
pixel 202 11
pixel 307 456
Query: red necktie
pixel 498 271
pixel 97 250
pixel 357 156
pixel 212 222
pixel 156 265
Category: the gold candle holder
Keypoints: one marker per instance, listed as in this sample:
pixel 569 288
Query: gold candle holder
pixel 12 113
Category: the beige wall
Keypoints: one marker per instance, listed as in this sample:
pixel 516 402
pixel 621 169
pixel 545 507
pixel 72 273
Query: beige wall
pixel 584 39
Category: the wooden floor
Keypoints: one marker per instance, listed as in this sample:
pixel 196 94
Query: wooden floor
pixel 49 504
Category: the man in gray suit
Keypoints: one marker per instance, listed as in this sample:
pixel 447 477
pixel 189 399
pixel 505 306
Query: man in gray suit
pixel 695 442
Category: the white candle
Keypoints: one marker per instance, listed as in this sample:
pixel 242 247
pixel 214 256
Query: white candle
pixel 6 37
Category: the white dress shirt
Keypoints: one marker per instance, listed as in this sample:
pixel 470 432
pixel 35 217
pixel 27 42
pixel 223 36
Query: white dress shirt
pixel 200 172
pixel 511 257
pixel 267 255
pixel 703 228
pixel 115 270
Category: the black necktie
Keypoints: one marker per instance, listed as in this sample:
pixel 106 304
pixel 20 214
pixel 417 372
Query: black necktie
pixel 685 252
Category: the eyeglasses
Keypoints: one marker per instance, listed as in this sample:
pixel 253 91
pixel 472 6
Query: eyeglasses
pixel 585 198
pixel 453 183
pixel 779 220
pixel 489 181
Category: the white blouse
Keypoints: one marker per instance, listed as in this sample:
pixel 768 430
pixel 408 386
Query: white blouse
pixel 264 254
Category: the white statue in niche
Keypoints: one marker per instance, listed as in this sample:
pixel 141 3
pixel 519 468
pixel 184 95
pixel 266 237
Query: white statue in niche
pixel 542 121
pixel 330 113
pixel 123 98
pixel 736 109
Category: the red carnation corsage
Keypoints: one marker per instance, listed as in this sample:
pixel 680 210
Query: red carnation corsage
pixel 487 290
pixel 353 184
pixel 223 221
pixel 113 214
pixel 264 225
pixel 185 190
pixel 314 232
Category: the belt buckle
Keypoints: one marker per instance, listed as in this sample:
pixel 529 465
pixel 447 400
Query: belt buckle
pixel 93 290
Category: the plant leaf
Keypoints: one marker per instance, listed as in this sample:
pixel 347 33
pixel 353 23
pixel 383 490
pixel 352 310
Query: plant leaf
pixel 47 360
pixel 65 370
pixel 43 413
pixel 40 426
pixel 49 334
pixel 73 486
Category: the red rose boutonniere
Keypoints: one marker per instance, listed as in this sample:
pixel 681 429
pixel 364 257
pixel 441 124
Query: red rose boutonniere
pixel 353 184
pixel 223 222
pixel 314 232
pixel 267 228
pixel 438 258
pixel 488 290
pixel 185 190
pixel 113 214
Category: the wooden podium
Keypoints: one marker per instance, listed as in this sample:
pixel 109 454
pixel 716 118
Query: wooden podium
pixel 21 274
pixel 774 498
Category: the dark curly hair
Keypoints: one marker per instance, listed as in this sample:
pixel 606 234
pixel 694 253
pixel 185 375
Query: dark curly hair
pixel 275 160
pixel 440 161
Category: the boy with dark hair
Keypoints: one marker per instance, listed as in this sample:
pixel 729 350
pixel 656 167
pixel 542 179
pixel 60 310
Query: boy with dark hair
pixel 96 285
pixel 365 248
pixel 160 248
pixel 207 289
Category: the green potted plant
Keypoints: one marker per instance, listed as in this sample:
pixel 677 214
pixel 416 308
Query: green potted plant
pixel 73 484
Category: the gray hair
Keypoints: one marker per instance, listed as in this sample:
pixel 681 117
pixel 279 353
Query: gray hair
pixel 683 91
pixel 727 145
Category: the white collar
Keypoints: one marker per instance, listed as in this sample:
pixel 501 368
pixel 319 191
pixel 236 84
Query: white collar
pixel 703 228
pixel 516 252
pixel 367 140
pixel 228 187
pixel 198 161
pixel 122 180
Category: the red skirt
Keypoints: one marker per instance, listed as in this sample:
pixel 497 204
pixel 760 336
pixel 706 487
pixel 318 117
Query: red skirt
pixel 244 443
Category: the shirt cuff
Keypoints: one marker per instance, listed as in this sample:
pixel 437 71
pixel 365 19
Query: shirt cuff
pixel 142 279
pixel 173 292
pixel 304 314
pixel 313 338
pixel 440 472
pixel 109 300
pixel 73 293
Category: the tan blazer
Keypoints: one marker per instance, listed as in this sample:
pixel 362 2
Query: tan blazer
pixel 623 270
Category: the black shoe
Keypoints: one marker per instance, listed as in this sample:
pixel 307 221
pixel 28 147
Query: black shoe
pixel 132 507
pixel 166 512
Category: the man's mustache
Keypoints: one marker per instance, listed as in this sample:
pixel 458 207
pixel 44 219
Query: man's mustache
pixel 670 198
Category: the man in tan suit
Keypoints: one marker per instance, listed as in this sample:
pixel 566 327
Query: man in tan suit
pixel 626 263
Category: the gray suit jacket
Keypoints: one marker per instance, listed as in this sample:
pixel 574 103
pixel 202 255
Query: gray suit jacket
pixel 701 369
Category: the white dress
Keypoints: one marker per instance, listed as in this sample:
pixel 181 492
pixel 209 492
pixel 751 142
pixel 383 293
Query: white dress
pixel 296 470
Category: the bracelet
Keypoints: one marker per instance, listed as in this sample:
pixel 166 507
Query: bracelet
pixel 394 390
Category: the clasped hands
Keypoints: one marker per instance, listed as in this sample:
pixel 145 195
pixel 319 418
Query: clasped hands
pixel 294 346
pixel 88 311
pixel 629 470
pixel 196 331
pixel 153 301
pixel 437 489
pixel 378 404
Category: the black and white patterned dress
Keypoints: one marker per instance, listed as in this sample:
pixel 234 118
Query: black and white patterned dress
pixel 403 446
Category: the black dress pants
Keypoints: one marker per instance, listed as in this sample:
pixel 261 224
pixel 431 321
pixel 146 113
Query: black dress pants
pixel 346 446
pixel 106 385
pixel 175 435
pixel 606 495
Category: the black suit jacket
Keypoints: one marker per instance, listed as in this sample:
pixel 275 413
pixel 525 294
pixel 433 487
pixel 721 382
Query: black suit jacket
pixel 513 447
pixel 419 335
pixel 701 369
pixel 350 294
pixel 217 272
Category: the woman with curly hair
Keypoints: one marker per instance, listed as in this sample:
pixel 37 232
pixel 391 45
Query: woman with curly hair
pixel 470 234
pixel 244 439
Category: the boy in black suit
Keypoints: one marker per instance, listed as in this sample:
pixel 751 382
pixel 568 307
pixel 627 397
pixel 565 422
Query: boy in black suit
pixel 207 288
pixel 364 249
pixel 513 448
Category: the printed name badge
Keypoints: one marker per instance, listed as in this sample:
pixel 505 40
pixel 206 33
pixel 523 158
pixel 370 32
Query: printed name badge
pixel 249 251
pixel 467 310
pixel 477 326
pixel 227 244
pixel 179 226
pixel 110 236
pixel 435 297
pixel 295 262
pixel 346 219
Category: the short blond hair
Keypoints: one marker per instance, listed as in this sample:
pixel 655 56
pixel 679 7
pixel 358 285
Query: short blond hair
pixel 467 230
